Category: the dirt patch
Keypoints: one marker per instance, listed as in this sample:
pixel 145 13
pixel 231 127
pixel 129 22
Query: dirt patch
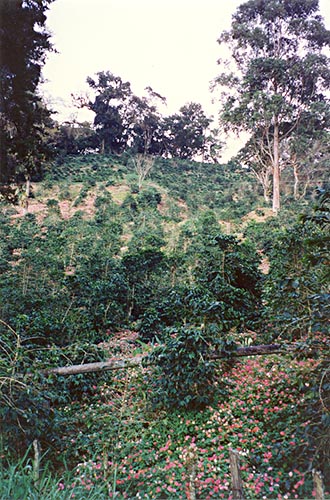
pixel 67 208
pixel 264 264
pixel 34 207
pixel 120 344
pixel 258 215
pixel 118 193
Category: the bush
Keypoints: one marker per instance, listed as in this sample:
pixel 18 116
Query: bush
pixel 185 377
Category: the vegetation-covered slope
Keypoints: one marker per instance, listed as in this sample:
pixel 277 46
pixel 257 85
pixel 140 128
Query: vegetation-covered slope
pixel 169 263
pixel 143 251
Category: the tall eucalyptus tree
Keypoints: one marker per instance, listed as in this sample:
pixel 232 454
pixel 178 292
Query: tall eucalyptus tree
pixel 279 74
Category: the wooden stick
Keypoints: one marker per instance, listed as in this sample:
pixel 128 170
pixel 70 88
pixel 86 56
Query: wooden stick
pixel 236 479
pixel 36 462
pixel 318 485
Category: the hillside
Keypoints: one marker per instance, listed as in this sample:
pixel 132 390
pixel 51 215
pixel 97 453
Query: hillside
pixel 185 187
pixel 186 264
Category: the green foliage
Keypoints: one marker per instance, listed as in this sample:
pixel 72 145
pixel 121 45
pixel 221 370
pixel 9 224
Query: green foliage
pixel 184 375
pixel 81 196
pixel 84 168
pixel 299 272
pixel 185 132
pixel 24 118
pixel 112 95
pixel 68 284
pixel 142 270
pixel 30 399
pixel 199 185
pixel 19 481
pixel 135 450
pixel 159 261
pixel 150 324
pixel 228 272
pixel 271 93
pixel 149 198
pixel 72 138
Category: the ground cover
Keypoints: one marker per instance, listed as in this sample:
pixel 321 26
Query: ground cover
pixel 137 453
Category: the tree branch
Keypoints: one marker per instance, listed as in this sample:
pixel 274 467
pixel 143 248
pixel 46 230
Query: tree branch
pixel 115 364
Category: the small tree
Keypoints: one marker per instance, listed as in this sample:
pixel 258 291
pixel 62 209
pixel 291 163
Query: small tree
pixel 185 376
pixel 142 165
pixel 299 271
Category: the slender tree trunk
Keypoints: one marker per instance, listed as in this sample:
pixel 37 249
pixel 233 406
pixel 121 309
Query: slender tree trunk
pixel 306 186
pixel 276 168
pixel 266 186
pixel 131 304
pixel 264 177
pixel 318 485
pixel 296 182
pixel 26 194
pixel 27 185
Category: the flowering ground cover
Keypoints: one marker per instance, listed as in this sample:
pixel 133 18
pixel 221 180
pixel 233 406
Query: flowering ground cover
pixel 138 453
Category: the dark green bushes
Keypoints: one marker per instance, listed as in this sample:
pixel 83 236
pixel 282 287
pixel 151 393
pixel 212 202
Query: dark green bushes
pixel 184 376
pixel 296 290
pixel 65 285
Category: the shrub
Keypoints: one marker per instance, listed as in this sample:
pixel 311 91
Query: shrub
pixel 185 376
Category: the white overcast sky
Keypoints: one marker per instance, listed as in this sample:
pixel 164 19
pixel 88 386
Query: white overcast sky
pixel 170 45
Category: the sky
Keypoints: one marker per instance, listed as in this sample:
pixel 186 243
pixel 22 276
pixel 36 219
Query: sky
pixel 170 45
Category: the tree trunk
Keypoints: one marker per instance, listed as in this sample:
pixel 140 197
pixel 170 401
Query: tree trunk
pixel 36 462
pixel 276 167
pixel 26 194
pixel 296 182
pixel 131 303
pixel 27 186
pixel 266 187
pixel 263 178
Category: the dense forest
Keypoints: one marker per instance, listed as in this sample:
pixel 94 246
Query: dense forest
pixel 164 317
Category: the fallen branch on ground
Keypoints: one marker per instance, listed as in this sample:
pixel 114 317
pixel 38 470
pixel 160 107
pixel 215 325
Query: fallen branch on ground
pixel 115 364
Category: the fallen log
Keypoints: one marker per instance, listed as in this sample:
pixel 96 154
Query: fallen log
pixel 100 366
pixel 115 364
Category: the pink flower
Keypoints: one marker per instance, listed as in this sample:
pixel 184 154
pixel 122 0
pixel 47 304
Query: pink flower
pixel 299 483
pixel 171 489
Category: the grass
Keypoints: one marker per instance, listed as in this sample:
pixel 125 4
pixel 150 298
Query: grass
pixel 17 482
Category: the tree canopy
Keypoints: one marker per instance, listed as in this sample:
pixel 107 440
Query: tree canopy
pixel 185 132
pixel 278 77
pixel 24 42
pixel 125 121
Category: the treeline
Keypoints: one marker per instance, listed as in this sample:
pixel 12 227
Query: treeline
pixel 279 99
pixel 124 121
